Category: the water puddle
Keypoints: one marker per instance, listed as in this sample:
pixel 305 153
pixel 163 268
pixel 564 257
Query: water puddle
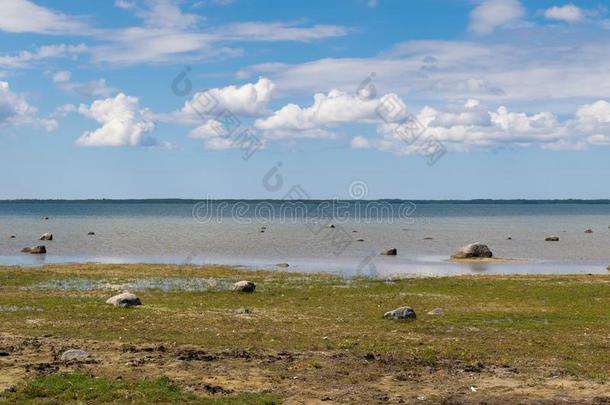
pixel 163 284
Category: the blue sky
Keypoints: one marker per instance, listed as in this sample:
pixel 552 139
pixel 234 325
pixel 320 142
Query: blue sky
pixel 432 99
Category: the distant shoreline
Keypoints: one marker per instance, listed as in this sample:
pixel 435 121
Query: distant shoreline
pixel 313 201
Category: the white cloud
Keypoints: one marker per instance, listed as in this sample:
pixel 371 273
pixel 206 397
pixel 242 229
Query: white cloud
pixel 168 32
pixel 327 111
pixel 250 99
pixel 557 69
pixel 16 111
pixel 568 13
pixel 64 110
pixel 124 123
pixel 279 31
pixel 93 88
pixel 62 76
pixel 24 16
pixel 472 127
pixel 25 58
pixel 214 134
pixel 491 14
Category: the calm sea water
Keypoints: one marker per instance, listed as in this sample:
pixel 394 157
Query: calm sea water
pixel 299 233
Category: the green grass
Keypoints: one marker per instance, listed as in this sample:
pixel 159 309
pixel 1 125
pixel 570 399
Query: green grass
pixel 533 322
pixel 83 388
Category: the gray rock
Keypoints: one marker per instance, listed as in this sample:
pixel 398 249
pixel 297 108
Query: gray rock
pixel 12 236
pixel 509 238
pixel 360 240
pixel 330 226
pixel 437 311
pixel 400 313
pixel 608 268
pixel 244 286
pixel 589 231
pixel 74 354
pixel 390 252
pixel 428 238
pixel 124 300
pixel 282 265
pixel 35 250
pixel 474 250
pixel 244 311
pixel 552 239
pixel 46 236
pixel 91 233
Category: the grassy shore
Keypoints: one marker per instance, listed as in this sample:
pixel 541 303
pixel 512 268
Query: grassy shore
pixel 307 338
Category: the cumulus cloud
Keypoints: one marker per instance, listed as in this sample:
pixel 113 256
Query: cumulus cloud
pixel 214 134
pixel 568 13
pixel 250 99
pixel 473 127
pixel 93 88
pixel 327 111
pixel 25 16
pixel 15 111
pixel 491 14
pixel 124 123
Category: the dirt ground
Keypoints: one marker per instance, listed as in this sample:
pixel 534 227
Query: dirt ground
pixel 299 377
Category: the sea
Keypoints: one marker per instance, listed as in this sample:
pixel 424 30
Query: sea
pixel 343 237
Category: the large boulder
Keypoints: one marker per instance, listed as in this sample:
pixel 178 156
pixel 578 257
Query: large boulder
pixel 124 300
pixel 46 236
pixel 400 313
pixel 474 250
pixel 244 286
pixel 390 252
pixel 35 250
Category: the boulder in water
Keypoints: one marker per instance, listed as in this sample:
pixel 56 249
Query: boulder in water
pixel 124 300
pixel 244 286
pixel 46 236
pixel 473 250
pixel 91 233
pixel 390 252
pixel 282 265
pixel 552 239
pixel 35 250
pixel 400 313
pixel 589 231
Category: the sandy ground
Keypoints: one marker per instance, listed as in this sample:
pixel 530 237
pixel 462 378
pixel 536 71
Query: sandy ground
pixel 300 377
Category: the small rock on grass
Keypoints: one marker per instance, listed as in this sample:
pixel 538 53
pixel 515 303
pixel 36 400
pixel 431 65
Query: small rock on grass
pixel 400 313
pixel 124 300
pixel 244 286
pixel 244 311
pixel 74 354
pixel 437 311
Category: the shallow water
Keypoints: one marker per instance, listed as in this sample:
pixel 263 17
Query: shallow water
pixel 167 232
